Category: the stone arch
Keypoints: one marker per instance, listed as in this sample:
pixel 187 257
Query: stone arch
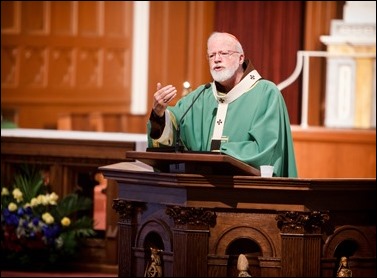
pixel 261 238
pixel 350 233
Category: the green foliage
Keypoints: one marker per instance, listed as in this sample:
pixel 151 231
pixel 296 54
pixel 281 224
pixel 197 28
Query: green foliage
pixel 29 181
pixel 37 226
pixel 73 203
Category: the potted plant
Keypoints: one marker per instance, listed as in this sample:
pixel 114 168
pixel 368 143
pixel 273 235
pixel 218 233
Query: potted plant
pixel 38 228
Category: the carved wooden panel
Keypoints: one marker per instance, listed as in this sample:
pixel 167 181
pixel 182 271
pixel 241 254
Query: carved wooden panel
pixel 33 62
pixel 65 56
pixel 61 74
pixel 9 61
pixel 34 17
pixel 62 17
pixel 302 229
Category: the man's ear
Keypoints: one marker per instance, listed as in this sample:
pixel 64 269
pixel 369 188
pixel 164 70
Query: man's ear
pixel 242 59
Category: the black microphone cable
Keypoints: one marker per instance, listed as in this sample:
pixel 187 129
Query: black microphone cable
pixel 178 141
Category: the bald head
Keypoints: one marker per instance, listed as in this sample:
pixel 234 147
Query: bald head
pixel 226 39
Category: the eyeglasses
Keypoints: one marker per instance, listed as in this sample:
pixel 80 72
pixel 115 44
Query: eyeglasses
pixel 222 54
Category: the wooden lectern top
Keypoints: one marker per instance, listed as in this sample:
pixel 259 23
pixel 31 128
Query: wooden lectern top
pixel 194 163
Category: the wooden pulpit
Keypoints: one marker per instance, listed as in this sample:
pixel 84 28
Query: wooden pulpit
pixel 193 162
pixel 202 210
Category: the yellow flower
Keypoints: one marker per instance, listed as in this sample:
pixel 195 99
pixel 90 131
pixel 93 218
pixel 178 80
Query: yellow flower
pixel 4 191
pixel 12 206
pixel 65 221
pixel 48 218
pixel 42 199
pixel 17 194
pixel 52 198
pixel 34 202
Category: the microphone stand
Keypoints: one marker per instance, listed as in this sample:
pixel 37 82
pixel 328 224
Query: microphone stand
pixel 178 141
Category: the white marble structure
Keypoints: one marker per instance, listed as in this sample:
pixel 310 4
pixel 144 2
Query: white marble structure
pixel 351 72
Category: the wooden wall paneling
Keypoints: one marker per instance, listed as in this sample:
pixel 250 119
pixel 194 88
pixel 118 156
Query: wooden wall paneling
pixel 65 45
pixel 168 43
pixel 89 18
pixel 178 33
pixel 65 61
pixel 59 178
pixel 96 120
pixel 113 122
pixel 116 19
pixel 93 121
pixel 89 64
pixel 9 66
pixel 63 21
pixel 137 123
pixel 35 17
pixel 61 74
pixel 176 55
pixel 318 18
pixel 33 72
pixel 335 153
pixel 200 26
pixel 10 17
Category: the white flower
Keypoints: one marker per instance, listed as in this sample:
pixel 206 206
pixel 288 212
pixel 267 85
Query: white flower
pixel 17 194
pixel 42 200
pixel 52 198
pixel 34 202
pixel 4 191
pixel 59 242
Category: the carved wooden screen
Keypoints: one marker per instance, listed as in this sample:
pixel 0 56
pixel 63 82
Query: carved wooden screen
pixel 65 56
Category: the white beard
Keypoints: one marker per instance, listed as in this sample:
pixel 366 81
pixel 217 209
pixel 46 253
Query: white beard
pixel 225 74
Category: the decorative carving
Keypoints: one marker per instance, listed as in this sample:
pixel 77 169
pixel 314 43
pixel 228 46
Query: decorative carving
pixel 126 209
pixel 243 266
pixel 34 60
pixel 61 74
pixel 300 222
pixel 192 216
pixel 114 68
pixel 88 68
pixel 9 66
pixel 154 268
pixel 343 269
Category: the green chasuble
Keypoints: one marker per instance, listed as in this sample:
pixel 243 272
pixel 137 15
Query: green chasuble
pixel 256 129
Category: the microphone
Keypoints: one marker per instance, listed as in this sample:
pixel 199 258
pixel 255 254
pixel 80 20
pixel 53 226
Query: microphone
pixel 178 141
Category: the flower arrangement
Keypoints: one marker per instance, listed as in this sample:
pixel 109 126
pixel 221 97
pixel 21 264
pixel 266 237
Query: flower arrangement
pixel 39 227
